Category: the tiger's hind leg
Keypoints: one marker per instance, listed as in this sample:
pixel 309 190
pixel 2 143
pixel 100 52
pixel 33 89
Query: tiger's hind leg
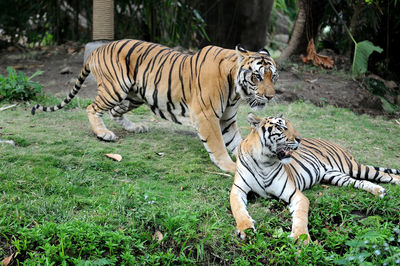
pixel 378 174
pixel 117 114
pixel 95 113
pixel 338 178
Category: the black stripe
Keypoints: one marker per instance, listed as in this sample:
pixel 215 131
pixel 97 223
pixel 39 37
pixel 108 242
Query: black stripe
pixel 240 188
pixel 181 65
pixel 284 186
pixel 170 78
pixel 291 196
pixel 274 176
pixel 226 129
pixel 250 171
pixel 128 58
pixel 212 107
pixel 230 141
pixel 173 117
pixel 244 180
pixel 217 53
pixel 183 109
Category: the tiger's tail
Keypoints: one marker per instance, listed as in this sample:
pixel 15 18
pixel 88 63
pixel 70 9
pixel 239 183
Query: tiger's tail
pixel 74 91
pixel 377 174
pixel 386 170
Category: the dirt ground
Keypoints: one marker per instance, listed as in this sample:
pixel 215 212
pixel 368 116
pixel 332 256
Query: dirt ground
pixel 62 64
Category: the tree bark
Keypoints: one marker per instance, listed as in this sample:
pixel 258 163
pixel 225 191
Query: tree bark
pixel 297 32
pixel 232 22
pixel 103 20
pixel 306 27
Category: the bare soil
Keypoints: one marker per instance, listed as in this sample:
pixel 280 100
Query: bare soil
pixel 62 64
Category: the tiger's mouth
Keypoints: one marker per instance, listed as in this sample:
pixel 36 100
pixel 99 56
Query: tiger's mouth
pixel 284 153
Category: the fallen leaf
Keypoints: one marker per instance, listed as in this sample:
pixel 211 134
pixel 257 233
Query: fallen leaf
pixel 115 157
pixel 324 186
pixel 158 235
pixel 317 59
pixel 160 154
pixel 66 70
pixel 21 67
pixel 397 122
pixel 310 80
pixel 7 260
pixel 71 50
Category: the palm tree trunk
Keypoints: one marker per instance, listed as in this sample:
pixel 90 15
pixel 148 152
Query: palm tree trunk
pixel 297 33
pixel 103 20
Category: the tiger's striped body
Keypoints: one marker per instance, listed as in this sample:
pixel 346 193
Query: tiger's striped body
pixel 271 161
pixel 205 88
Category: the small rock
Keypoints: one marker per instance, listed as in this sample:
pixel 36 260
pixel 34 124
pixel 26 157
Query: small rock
pixel 11 142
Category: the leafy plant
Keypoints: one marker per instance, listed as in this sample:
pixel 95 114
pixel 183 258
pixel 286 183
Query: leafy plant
pixel 18 86
pixel 373 247
pixel 362 51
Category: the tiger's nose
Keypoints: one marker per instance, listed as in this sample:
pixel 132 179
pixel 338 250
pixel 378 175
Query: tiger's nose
pixel 268 97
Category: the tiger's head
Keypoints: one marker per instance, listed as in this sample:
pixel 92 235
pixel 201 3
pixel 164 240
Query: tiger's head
pixel 256 77
pixel 276 136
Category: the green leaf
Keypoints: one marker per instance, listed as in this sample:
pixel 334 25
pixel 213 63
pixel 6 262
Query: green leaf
pixel 37 73
pixel 362 51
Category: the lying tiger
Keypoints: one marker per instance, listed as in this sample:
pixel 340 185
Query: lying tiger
pixel 206 87
pixel 271 161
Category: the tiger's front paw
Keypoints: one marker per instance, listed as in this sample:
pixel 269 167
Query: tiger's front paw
pixel 379 192
pixel 228 167
pixel 242 226
pixel 303 236
pixel 106 135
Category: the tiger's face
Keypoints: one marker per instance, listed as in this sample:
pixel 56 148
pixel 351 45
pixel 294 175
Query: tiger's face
pixel 277 135
pixel 256 77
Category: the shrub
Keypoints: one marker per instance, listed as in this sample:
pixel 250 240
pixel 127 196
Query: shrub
pixel 17 86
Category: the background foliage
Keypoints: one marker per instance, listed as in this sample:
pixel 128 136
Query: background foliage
pixel 185 23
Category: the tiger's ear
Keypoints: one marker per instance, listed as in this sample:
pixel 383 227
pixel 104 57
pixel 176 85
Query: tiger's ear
pixel 253 120
pixel 240 52
pixel 264 51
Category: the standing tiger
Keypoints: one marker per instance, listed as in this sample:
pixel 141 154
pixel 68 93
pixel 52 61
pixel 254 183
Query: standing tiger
pixel 206 87
pixel 272 161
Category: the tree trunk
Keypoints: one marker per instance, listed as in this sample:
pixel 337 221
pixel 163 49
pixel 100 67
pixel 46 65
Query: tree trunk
pixel 306 27
pixel 254 23
pixel 230 22
pixel 103 20
pixel 297 32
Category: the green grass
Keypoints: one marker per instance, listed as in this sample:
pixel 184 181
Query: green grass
pixel 63 202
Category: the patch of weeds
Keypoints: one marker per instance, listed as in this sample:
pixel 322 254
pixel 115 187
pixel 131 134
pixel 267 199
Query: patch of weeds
pixel 63 202
pixel 373 248
pixel 18 86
